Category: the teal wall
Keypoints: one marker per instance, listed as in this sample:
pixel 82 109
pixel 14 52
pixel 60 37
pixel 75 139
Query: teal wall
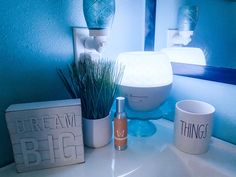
pixel 35 39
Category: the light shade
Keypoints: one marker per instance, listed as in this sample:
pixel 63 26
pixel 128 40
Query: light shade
pixel 187 18
pixel 190 55
pixel 99 14
pixel 145 69
pixel 147 79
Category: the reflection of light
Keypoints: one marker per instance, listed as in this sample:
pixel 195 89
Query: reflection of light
pixel 145 69
pixel 189 55
pixel 113 166
pixel 126 174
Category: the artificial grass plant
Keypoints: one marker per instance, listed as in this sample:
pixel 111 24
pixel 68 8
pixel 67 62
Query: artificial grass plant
pixel 95 82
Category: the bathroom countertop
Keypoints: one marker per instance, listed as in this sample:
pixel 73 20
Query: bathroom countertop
pixel 150 156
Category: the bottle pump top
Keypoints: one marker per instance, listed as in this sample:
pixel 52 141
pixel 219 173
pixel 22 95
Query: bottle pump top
pixel 120 105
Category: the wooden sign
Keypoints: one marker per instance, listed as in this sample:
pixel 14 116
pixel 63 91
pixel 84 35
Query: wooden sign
pixel 46 134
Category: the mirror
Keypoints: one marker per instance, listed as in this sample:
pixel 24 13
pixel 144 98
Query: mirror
pixel 215 34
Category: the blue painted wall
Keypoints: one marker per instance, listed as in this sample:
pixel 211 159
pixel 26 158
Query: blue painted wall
pixel 222 96
pixel 35 39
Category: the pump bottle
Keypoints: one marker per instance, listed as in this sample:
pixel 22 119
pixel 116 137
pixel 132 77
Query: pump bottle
pixel 120 125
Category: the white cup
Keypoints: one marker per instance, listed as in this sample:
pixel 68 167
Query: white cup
pixel 193 126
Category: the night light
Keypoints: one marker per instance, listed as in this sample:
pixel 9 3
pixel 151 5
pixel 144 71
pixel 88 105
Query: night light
pixel 90 40
pixel 189 55
pixel 146 81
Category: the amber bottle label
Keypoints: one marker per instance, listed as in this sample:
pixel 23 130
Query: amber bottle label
pixel 120 132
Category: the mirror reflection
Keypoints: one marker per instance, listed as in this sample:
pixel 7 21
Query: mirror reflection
pixel 214 33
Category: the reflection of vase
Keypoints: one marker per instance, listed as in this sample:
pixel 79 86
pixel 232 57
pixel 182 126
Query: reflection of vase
pixel 99 13
pixel 97 132
pixel 187 18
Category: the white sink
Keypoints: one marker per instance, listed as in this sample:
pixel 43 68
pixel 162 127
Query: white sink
pixel 154 156
pixel 171 162
pixel 164 164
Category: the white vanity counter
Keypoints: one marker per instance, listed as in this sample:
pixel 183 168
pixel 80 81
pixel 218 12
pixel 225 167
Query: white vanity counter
pixel 145 157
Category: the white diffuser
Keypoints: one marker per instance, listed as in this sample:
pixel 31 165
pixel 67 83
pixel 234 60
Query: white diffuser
pixel 146 81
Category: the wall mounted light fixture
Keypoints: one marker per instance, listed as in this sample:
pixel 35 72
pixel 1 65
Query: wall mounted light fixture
pixel 99 17
pixel 187 20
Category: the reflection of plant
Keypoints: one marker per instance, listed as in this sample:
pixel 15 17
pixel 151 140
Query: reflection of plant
pixel 95 83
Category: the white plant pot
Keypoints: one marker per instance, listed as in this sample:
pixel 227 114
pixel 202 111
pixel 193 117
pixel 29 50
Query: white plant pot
pixel 97 132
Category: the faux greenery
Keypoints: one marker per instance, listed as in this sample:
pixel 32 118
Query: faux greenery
pixel 95 83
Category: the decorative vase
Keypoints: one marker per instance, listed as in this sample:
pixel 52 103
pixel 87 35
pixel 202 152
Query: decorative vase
pixel 97 132
pixel 187 17
pixel 99 14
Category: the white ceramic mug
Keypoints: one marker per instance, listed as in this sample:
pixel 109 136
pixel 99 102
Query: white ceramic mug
pixel 193 126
